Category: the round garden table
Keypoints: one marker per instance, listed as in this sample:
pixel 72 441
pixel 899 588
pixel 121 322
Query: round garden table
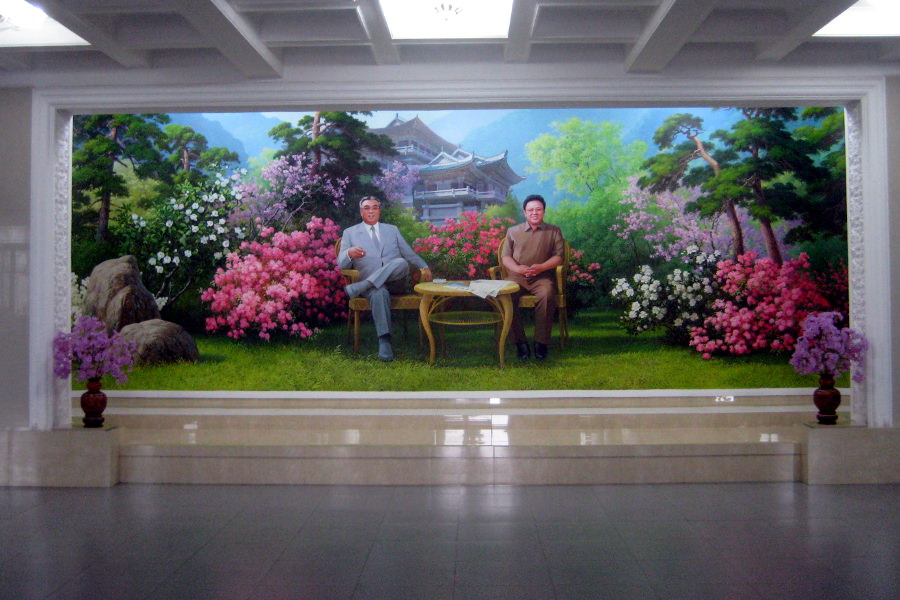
pixel 436 295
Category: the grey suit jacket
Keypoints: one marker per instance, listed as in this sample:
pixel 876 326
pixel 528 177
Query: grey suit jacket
pixel 392 246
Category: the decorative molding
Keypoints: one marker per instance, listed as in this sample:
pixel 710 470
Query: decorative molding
pixel 62 250
pixel 49 261
pixel 853 129
pixel 517 86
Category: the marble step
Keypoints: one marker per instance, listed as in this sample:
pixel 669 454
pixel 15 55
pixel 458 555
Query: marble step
pixel 701 460
pixel 490 438
pixel 300 411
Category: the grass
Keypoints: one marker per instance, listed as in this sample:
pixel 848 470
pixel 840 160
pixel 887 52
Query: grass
pixel 599 355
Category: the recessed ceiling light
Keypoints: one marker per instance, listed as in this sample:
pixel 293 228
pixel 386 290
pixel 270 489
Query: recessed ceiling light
pixel 866 18
pixel 447 19
pixel 22 24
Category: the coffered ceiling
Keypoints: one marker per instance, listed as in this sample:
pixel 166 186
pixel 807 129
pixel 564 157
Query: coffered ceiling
pixel 263 38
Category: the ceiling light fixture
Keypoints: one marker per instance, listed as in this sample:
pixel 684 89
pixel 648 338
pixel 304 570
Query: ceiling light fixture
pixel 448 20
pixel 19 15
pixel 447 11
pixel 23 25
pixel 866 18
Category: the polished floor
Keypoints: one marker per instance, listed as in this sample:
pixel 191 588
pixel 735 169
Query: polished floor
pixel 785 541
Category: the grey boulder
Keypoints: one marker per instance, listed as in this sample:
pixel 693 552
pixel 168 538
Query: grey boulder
pixel 160 341
pixel 117 296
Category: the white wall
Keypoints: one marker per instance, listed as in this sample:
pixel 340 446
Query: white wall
pixel 15 196
pixel 893 202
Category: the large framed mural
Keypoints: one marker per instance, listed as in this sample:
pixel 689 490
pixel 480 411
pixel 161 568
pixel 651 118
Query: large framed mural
pixel 700 240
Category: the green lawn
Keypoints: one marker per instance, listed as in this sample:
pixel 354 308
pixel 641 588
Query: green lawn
pixel 599 355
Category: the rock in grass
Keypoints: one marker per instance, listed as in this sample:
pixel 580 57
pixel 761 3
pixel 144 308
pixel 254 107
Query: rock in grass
pixel 161 341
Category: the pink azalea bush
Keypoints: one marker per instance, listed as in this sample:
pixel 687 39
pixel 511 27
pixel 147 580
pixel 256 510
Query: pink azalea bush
pixel 833 282
pixel 287 281
pixel 463 249
pixel 763 307
pixel 823 348
pixel 581 285
pixel 581 271
pixel 467 248
pixel 92 351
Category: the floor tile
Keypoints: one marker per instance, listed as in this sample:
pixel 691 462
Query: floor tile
pixel 644 542
pixel 606 591
pixel 597 569
pixel 503 592
pixel 705 590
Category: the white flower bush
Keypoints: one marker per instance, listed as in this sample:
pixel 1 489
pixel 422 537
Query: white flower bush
pixel 677 303
pixel 183 239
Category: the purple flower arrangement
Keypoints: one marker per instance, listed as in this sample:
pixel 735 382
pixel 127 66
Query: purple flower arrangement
pixel 824 348
pixel 92 351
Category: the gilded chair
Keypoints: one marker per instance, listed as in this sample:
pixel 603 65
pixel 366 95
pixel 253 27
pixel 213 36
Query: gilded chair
pixel 529 301
pixel 360 305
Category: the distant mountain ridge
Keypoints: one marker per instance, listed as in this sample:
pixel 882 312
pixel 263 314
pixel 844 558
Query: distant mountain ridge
pixel 244 133
pixel 214 132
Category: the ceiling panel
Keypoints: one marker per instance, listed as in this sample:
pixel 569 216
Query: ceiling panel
pixel 263 38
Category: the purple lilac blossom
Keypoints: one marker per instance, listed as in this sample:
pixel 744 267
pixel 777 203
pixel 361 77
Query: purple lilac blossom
pixel 92 351
pixel 823 348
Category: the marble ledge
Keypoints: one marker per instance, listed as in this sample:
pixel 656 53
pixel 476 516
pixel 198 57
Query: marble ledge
pixel 75 457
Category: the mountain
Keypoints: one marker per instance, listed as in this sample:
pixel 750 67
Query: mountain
pixel 244 133
pixel 456 125
pixel 214 132
pixel 251 128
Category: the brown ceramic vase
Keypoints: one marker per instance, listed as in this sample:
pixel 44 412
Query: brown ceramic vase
pixel 827 399
pixel 93 403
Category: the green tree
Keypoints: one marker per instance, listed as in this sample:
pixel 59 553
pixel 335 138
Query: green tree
pixel 585 158
pixel 766 167
pixel 759 163
pixel 103 141
pixel 190 155
pixel 823 209
pixel 666 170
pixel 339 146
pixel 590 162
pixel 405 220
pixel 510 209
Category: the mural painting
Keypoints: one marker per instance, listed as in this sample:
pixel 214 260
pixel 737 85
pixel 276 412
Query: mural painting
pixel 698 242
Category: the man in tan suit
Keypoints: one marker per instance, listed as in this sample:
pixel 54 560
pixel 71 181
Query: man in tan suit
pixel 531 254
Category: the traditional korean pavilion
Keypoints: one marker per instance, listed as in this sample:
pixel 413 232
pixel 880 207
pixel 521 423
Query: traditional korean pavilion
pixel 452 180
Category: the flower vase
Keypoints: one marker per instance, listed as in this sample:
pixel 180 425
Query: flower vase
pixel 93 403
pixel 827 399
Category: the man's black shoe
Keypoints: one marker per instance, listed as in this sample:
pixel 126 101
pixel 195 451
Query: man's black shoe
pixel 540 351
pixel 523 351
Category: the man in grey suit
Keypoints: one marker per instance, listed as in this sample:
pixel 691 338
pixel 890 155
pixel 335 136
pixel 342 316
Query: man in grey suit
pixel 382 256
